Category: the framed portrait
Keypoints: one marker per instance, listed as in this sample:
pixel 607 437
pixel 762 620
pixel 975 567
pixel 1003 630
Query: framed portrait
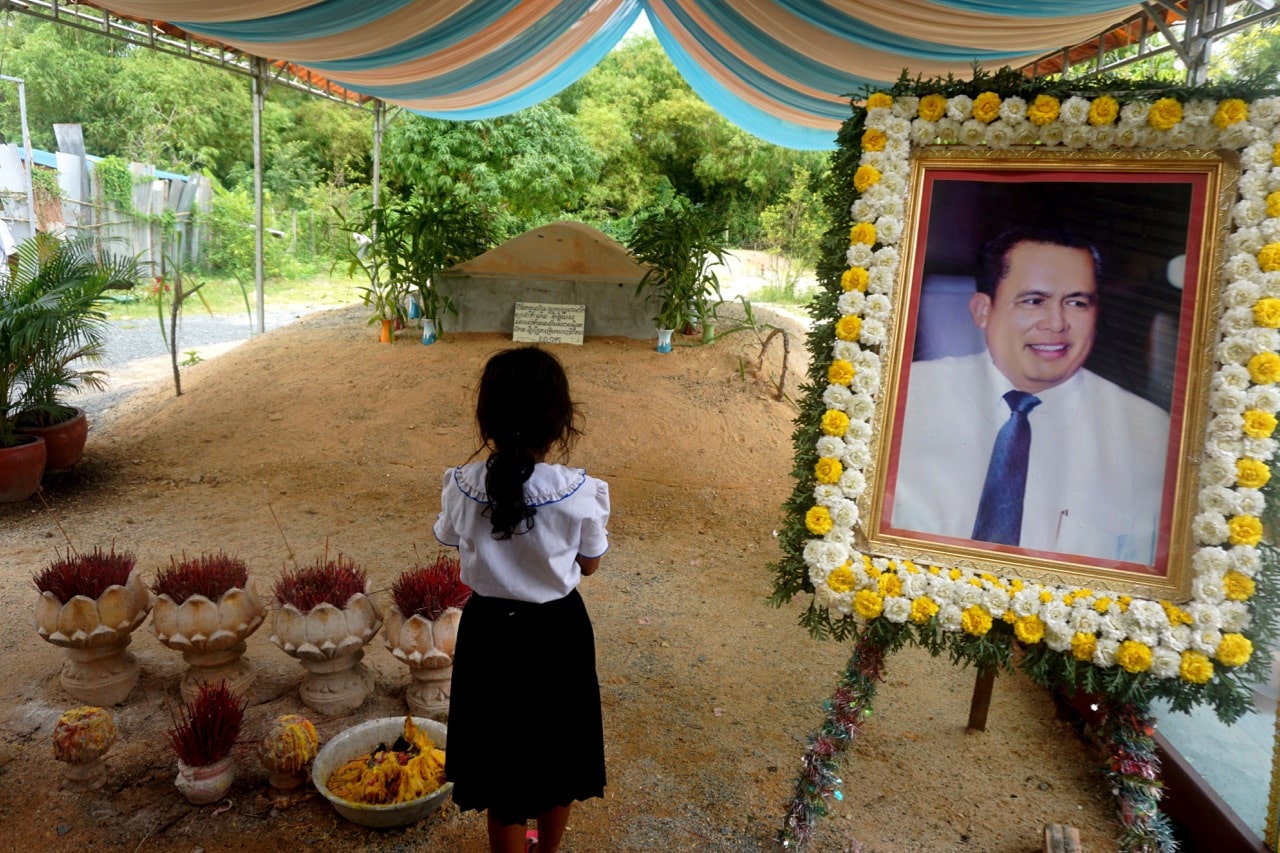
pixel 1046 368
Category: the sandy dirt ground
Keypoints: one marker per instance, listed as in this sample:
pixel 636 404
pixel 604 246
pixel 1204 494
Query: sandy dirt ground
pixel 315 437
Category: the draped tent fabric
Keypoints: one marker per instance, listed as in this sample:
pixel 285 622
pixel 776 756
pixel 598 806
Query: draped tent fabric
pixel 784 70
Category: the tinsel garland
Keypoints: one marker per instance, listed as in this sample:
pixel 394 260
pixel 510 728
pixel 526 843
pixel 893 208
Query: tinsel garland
pixel 1128 735
pixel 846 711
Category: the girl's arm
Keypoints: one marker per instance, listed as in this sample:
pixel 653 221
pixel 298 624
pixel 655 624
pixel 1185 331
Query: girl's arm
pixel 588 564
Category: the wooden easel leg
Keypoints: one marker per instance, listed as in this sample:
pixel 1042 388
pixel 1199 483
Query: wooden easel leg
pixel 981 699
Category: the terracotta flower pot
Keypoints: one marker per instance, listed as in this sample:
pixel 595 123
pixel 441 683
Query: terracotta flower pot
pixel 21 468
pixel 98 669
pixel 211 636
pixel 64 442
pixel 329 643
pixel 427 647
pixel 206 783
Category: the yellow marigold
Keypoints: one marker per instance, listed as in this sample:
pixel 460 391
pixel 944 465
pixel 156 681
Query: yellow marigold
pixel 1016 585
pixel 1245 530
pixel 955 574
pixel 1045 596
pixel 1123 603
pixel 1259 424
pixel 818 520
pixel 828 470
pixel 849 327
pixel 840 372
pixel 841 580
pixel 889 584
pixel 1229 112
pixel 1178 616
pixel 1273 204
pixel 854 278
pixel 866 177
pixel 1264 368
pixel 879 100
pixel 1134 656
pixel 933 107
pixel 1043 110
pixel 911 567
pixel 1165 113
pixel 1029 629
pixel 1009 617
pixel 863 232
pixel 1239 587
pixel 975 620
pixel 1234 650
pixel 1252 473
pixel 868 604
pixel 1266 312
pixel 874 139
pixel 986 107
pixel 1195 667
pixel 1069 599
pixel 1083 645
pixel 923 609
pixel 835 422
pixel 1103 110
pixel 1269 257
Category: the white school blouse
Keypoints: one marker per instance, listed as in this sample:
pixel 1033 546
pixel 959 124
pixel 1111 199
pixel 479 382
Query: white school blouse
pixel 537 565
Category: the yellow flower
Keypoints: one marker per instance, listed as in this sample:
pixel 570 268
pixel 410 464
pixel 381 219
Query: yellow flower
pixel 840 372
pixel 986 107
pixel 1234 650
pixel 1083 645
pixel 1103 110
pixel 848 327
pixel 1123 603
pixel 854 278
pixel 1252 473
pixel 1259 424
pixel 868 604
pixel 975 620
pixel 955 574
pixel 863 232
pixel 1273 204
pixel 874 139
pixel 1264 368
pixel 1195 667
pixel 866 177
pixel 1009 617
pixel 1165 113
pixel 835 422
pixel 933 107
pixel 1043 110
pixel 1269 257
pixel 879 100
pixel 1045 596
pixel 841 580
pixel 1239 587
pixel 1133 656
pixel 1245 530
pixel 1029 629
pixel 1069 599
pixel 890 584
pixel 923 609
pixel 1266 312
pixel 1231 111
pixel 818 520
pixel 828 470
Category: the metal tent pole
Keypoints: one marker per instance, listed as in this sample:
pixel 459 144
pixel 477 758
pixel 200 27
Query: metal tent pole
pixel 259 92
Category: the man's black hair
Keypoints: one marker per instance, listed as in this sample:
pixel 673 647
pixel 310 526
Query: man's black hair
pixel 993 257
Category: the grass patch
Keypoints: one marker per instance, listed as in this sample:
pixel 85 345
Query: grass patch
pixel 225 297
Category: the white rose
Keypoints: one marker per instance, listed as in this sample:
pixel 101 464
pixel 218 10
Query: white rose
pixel 1135 113
pixel 959 107
pixel 830 445
pixel 1259 448
pixel 1234 349
pixel 897 609
pixel 860 407
pixel 967 595
pixel 1177 638
pixel 852 303
pixel 1058 636
pixel 1000 134
pixel 1199 112
pixel 1264 113
pixel 1074 110
pixel 844 514
pixel 1211 561
pixel 1247 240
pixel 846 351
pixel 949 617
pixel 1104 652
pixel 1013 109
pixel 824 555
pixel 1179 136
pixel 948 130
pixel 1263 339
pixel 858 255
pixel 1249 211
pixel 1250 502
pixel 1103 137
pixel 1084 619
pixel 924 132
pixel 880 280
pixel 1129 137
pixel 1217 470
pixel 1218 499
pixel 866 381
pixel 1053 133
pixel 888 229
pixel 864 211
pixel 995 599
pixel 1025 602
pixel 1236 616
pixel 1208 588
pixel 857 455
pixel 858 431
pixel 1148 614
pixel 973 133
pixel 1146 636
pixel 1242 265
pixel 853 483
pixel 837 397
pixel 1210 528
pixel 1204 616
pixel 1246 559
pixel 825 495
pixel 1238 135
pixel 905 106
pixel 1077 137
pixel 1242 293
pixel 1227 399
pixel 1165 663
pixel 1256 155
pixel 1234 375
pixel 1263 397
pixel 1206 641
pixel 873 332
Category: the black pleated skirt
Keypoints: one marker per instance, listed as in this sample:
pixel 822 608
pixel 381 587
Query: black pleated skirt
pixel 525 728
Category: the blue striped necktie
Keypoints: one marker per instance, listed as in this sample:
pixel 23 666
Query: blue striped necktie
pixel 1000 510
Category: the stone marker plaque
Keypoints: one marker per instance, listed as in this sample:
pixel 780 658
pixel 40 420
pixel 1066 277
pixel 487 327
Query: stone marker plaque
pixel 547 323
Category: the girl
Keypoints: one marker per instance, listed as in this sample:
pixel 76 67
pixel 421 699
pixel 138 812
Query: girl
pixel 525 731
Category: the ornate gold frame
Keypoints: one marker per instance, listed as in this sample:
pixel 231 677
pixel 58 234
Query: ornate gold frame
pixel 1218 173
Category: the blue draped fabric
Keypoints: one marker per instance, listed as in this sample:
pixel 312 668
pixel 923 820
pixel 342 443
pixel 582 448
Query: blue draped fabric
pixel 782 70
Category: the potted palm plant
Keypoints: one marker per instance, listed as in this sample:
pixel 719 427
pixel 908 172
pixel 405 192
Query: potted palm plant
pixel 681 242
pixel 368 253
pixel 57 292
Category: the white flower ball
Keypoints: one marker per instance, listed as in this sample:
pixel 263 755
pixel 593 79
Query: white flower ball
pixel 949 617
pixel 1074 110
pixel 853 483
pixel 1000 134
pixel 959 107
pixel 924 132
pixel 897 609
pixel 1263 397
pixel 889 229
pixel 1218 499
pixel 1104 652
pixel 973 133
pixel 1165 662
pixel 1210 528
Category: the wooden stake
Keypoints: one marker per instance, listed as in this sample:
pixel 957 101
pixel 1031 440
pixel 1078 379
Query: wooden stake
pixel 981 699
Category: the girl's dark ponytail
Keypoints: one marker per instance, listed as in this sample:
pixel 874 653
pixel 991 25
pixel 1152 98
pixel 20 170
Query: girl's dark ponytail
pixel 523 411
pixel 506 472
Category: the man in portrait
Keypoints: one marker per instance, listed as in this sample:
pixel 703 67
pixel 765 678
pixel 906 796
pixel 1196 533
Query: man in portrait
pixel 1019 444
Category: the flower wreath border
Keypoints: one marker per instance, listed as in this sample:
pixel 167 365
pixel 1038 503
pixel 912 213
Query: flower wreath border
pixel 1127 649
